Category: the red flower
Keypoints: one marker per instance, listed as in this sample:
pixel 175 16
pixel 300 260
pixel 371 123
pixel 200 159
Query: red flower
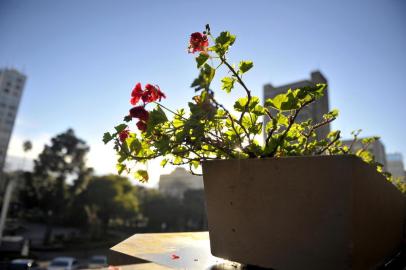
pixel 160 94
pixel 150 94
pixel 142 125
pixel 175 257
pixel 136 94
pixel 124 135
pixel 198 42
pixel 139 112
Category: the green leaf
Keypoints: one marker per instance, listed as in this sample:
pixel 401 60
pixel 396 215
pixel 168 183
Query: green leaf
pixel 369 140
pixel 162 144
pixel 195 164
pixel 133 144
pixel 331 115
pixel 259 110
pixel 107 137
pixel 120 127
pixel 225 39
pixel 177 122
pixel 127 118
pixel 120 168
pixel 178 159
pixel 164 162
pixel 284 102
pixel 365 155
pixel 142 176
pixel 205 77
pixel 240 104
pixel 223 42
pixel 201 59
pixel 244 66
pixel 156 117
pixel 228 84
pixel 282 120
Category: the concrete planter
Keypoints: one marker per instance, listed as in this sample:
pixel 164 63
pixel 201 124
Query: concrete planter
pixel 325 212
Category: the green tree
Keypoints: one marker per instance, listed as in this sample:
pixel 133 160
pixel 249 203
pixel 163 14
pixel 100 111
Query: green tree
pixel 47 188
pixel 110 197
pixel 195 210
pixel 163 213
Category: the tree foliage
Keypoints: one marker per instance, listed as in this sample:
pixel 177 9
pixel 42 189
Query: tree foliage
pixel 111 197
pixel 62 160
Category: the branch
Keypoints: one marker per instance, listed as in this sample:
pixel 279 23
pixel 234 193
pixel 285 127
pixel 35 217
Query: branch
pixel 232 121
pixel 313 128
pixel 330 144
pixel 291 122
pixel 240 81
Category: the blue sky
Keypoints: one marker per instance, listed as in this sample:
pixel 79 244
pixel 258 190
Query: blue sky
pixel 82 59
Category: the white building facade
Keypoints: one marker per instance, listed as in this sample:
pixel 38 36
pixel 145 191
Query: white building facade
pixel 11 89
pixel 178 181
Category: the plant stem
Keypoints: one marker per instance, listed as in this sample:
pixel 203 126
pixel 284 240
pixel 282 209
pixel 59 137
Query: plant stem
pixel 330 144
pixel 240 81
pixel 291 122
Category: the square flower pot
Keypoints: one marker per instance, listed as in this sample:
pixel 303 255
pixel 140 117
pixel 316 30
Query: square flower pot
pixel 320 212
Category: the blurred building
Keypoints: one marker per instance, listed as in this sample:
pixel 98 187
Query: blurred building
pixel 178 181
pixel 314 111
pixel 376 148
pixel 394 165
pixel 11 89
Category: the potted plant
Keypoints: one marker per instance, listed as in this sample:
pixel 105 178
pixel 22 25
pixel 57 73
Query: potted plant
pixel 288 201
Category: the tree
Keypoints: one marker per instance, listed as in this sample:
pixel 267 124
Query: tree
pixel 46 187
pixel 27 146
pixel 163 213
pixel 110 197
pixel 195 209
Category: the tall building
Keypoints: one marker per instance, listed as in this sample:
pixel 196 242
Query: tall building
pixel 395 166
pixel 376 148
pixel 314 111
pixel 11 89
pixel 178 181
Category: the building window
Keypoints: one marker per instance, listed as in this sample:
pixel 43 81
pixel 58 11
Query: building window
pixel 6 90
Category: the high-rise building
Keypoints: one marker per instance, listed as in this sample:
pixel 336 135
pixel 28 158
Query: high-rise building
pixel 11 89
pixel 395 166
pixel 314 111
pixel 178 181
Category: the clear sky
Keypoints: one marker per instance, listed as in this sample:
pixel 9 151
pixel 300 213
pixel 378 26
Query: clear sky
pixel 82 59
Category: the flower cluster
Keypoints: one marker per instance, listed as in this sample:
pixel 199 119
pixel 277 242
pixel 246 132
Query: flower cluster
pixel 198 42
pixel 150 94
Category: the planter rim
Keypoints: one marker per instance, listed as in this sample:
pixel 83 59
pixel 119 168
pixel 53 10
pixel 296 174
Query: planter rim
pixel 341 156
